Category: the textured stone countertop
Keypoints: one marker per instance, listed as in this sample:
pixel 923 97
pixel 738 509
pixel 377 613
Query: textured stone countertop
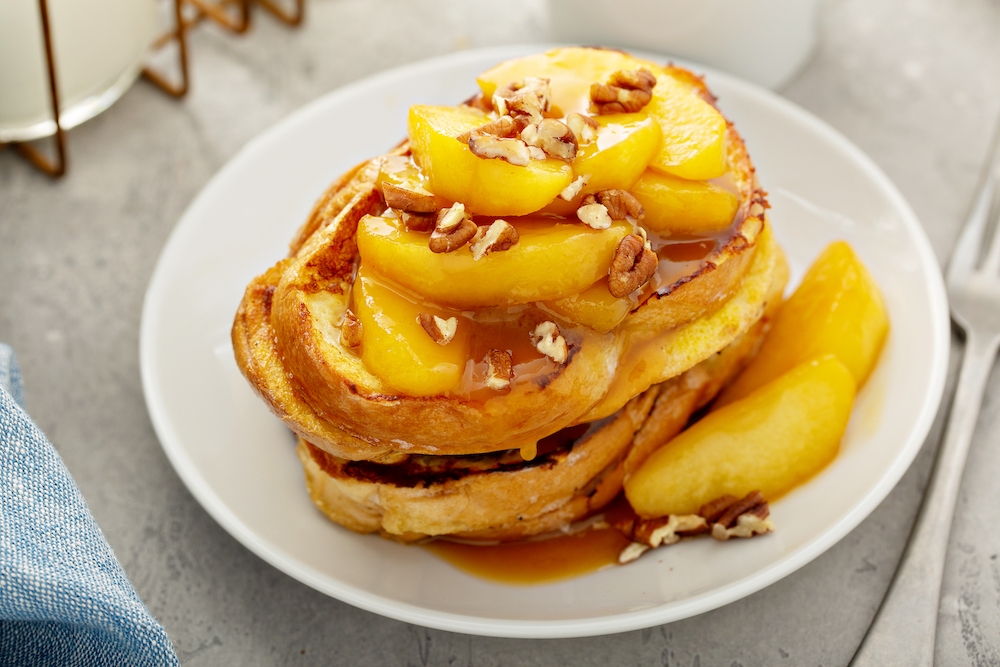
pixel 913 83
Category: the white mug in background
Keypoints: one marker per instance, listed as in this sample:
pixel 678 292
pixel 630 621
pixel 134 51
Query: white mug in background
pixel 98 49
pixel 763 41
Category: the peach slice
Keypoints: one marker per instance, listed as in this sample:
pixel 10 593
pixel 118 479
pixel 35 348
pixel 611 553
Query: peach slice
pixel 624 146
pixel 837 309
pixel 678 206
pixel 487 186
pixel 550 260
pixel 570 72
pixel 397 349
pixel 694 131
pixel 593 307
pixel 773 440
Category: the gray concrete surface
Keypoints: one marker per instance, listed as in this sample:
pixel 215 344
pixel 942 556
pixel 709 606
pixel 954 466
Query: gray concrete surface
pixel 915 83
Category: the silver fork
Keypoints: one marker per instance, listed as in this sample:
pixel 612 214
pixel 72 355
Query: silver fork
pixel 904 627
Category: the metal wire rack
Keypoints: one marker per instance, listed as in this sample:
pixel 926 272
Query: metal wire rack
pixel 233 15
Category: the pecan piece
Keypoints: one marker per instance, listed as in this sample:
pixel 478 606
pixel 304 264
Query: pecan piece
pixel 350 330
pixel 498 236
pixel 651 533
pixel 627 91
pixel 503 127
pixel 634 263
pixel 583 127
pixel 620 204
pixel 527 98
pixel 452 230
pixel 487 146
pixel 405 199
pixel 730 517
pixel 499 369
pixel 593 214
pixel 547 340
pixel 574 188
pixel 439 329
pixel 418 222
pixel 553 137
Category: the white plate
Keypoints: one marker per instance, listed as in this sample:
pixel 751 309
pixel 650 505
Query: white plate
pixel 238 460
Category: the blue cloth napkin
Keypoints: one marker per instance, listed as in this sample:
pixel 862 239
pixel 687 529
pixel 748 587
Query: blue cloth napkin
pixel 64 598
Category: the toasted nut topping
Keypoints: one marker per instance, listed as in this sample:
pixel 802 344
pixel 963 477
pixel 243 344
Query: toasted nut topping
pixel 404 199
pixel 552 136
pixel 499 369
pixel 651 533
pixel 583 127
pixel 724 517
pixel 594 215
pixel 498 236
pixel 454 228
pixel 634 263
pixel 350 330
pixel 574 188
pixel 450 218
pixel 487 146
pixel 547 340
pixel 627 91
pixel 620 204
pixel 503 127
pixel 738 518
pixel 418 222
pixel 523 98
pixel 439 329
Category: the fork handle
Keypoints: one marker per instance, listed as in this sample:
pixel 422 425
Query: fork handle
pixel 904 627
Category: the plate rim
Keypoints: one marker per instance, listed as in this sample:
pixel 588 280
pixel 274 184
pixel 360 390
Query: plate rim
pixel 593 626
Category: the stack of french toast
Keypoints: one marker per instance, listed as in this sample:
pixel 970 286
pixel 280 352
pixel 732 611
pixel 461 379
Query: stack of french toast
pixel 482 333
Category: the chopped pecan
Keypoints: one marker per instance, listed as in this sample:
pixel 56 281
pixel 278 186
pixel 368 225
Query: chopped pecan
pixel 627 91
pixel 452 230
pixel 593 214
pixel 418 222
pixel 552 136
pixel 620 204
pixel 547 340
pixel 503 127
pixel 512 150
pixel 651 533
pixel 527 98
pixel 350 330
pixel 499 369
pixel 574 188
pixel 405 199
pixel 498 236
pixel 583 127
pixel 439 329
pixel 634 263
pixel 730 517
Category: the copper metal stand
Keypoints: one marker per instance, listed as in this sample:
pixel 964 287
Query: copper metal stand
pixel 234 15
pixel 53 167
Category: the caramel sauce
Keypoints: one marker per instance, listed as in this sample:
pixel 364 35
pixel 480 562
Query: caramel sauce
pixel 537 561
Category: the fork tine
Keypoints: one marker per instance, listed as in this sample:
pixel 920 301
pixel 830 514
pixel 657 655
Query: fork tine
pixel 967 249
pixel 991 264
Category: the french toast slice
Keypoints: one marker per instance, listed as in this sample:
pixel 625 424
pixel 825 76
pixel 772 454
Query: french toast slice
pixel 500 496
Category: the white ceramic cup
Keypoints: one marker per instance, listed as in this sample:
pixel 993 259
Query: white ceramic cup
pixel 98 47
pixel 763 41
